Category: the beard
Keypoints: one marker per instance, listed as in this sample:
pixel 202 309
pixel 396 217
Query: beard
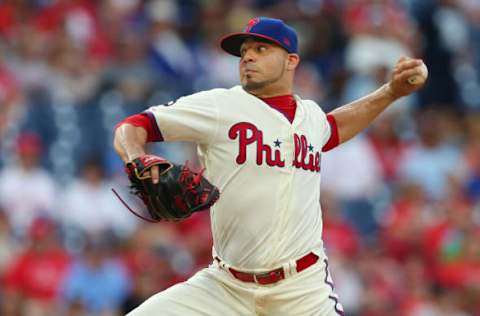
pixel 251 86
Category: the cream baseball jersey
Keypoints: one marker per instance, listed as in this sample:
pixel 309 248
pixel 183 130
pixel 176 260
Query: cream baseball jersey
pixel 267 169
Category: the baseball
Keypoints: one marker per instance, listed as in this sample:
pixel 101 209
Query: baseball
pixel 421 78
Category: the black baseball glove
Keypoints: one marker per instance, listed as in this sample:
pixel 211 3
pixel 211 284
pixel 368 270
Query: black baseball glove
pixel 178 193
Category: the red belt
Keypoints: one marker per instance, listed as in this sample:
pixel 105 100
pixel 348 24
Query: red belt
pixel 274 275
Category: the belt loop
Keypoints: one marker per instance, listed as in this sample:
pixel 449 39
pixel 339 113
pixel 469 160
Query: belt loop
pixel 293 267
pixel 289 268
pixel 224 266
pixel 286 269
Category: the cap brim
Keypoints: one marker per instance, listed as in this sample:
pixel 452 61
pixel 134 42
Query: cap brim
pixel 231 42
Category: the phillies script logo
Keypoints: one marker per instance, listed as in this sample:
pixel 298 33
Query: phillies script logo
pixel 248 134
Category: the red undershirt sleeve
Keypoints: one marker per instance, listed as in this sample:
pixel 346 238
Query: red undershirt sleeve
pixel 147 121
pixel 334 140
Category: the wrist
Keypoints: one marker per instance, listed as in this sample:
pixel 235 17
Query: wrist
pixel 388 92
pixel 135 153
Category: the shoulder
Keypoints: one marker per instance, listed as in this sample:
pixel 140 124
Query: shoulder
pixel 205 97
pixel 311 105
pixel 220 97
pixel 218 92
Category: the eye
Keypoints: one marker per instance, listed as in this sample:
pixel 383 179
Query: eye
pixel 242 52
pixel 261 48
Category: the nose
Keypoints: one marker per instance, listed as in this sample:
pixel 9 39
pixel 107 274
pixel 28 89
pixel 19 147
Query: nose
pixel 248 56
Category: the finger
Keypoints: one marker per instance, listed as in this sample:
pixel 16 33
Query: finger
pixel 408 64
pixel 155 173
pixel 404 75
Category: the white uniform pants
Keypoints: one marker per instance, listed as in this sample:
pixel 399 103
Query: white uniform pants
pixel 215 292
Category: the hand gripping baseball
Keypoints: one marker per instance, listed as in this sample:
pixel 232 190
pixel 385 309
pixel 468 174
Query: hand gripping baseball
pixel 408 76
pixel 178 193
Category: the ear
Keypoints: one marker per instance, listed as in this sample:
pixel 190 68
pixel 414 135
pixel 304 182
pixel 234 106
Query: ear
pixel 292 61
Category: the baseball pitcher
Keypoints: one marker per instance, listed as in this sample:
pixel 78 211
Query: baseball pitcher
pixel 260 145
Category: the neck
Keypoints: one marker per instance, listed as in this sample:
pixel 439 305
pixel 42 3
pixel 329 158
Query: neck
pixel 279 86
pixel 269 95
pixel 270 91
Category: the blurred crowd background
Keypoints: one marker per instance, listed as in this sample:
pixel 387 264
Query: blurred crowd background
pixel 401 202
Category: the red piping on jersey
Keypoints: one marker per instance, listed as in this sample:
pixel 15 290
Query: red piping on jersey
pixel 334 140
pixel 147 121
pixel 158 137
pixel 285 104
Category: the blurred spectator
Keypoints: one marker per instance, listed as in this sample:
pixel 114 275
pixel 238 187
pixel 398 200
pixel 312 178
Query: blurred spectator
pixel 170 53
pixel 441 31
pixel 89 204
pixel 34 277
pixel 339 236
pixel 404 223
pixel 131 73
pixel 73 15
pixel 308 82
pixel 197 240
pixel 326 51
pixel 460 276
pixel 419 299
pixel 11 14
pixel 388 147
pixel 149 269
pixel 158 245
pixel 215 68
pixel 376 26
pixel 463 273
pixel 449 249
pixel 73 75
pixel 97 282
pixel 26 189
pixel 383 281
pixel 29 62
pixel 354 160
pixel 432 160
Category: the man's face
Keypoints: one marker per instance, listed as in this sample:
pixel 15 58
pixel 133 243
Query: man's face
pixel 261 64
